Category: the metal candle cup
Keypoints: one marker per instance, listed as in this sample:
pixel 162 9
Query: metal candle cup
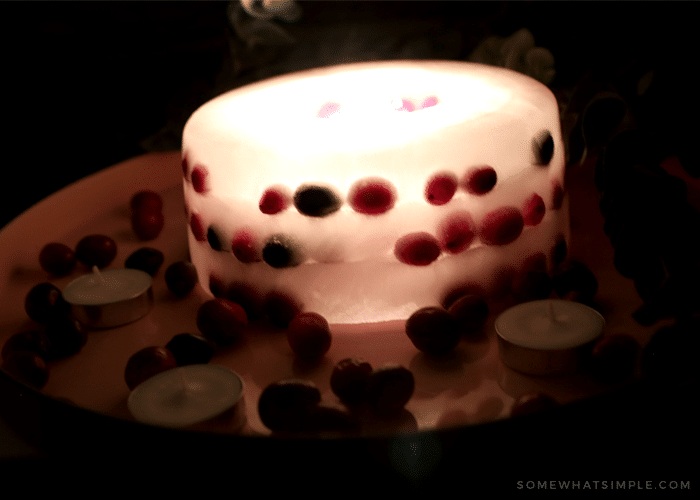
pixel 547 337
pixel 110 298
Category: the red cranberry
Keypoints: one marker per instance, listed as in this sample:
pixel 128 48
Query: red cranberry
pixel 389 389
pixel 190 349
pixel 441 188
pixel 181 278
pixel 45 301
pixel 244 247
pixel 147 224
pixel 349 380
pixel 456 232
pixel 222 321
pixel 501 226
pixel 145 259
pixel 533 210
pixel 199 179
pixel 146 363
pixel 66 336
pixel 148 201
pixel 197 227
pixel 280 309
pixel 480 180
pixel 96 250
pixel 248 297
pixel 57 259
pixel 471 312
pixel 433 331
pixel 284 406
pixel 309 336
pixel 274 200
pixel 417 249
pixel 33 341
pixel 27 367
pixel 372 196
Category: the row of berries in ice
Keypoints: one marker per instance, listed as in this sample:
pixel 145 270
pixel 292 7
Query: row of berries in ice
pixel 331 108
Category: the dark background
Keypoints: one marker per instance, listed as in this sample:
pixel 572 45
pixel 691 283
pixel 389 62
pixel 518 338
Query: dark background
pixel 88 84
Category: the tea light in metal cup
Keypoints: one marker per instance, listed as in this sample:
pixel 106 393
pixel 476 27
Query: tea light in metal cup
pixel 187 396
pixel 110 298
pixel 547 337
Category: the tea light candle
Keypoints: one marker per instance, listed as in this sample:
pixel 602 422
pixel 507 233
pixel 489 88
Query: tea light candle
pixel 547 337
pixel 186 396
pixel 110 298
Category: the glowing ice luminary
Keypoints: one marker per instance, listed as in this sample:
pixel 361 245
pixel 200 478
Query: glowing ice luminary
pixel 367 191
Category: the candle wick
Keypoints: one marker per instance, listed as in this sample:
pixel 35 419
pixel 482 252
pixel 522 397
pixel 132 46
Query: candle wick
pixel 552 316
pixel 183 382
pixel 97 272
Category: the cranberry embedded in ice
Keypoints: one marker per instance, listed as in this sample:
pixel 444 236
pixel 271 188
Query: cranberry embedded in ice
pixel 273 201
pixel 417 249
pixel 185 166
pixel 316 201
pixel 214 239
pixel 429 102
pixel 403 105
pixel 57 259
pixel 560 250
pixel 480 180
pixel 244 248
pixel 279 251
pixel 533 210
pixel 199 179
pixel 456 232
pixel 328 109
pixel 309 336
pixel 543 147
pixel 197 227
pixel 372 196
pixel 502 226
pixel 557 194
pixel 441 188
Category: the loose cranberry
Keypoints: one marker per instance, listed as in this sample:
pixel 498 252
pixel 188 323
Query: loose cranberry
pixel 372 196
pixel 147 224
pixel 471 312
pixel 96 250
pixel 501 226
pixel 480 180
pixel 328 109
pixel 66 335
pixel 274 200
pixel 543 147
pixel 146 363
pixel 532 403
pixel 349 380
pixel 217 287
pixel 27 367
pixel 280 309
pixel 57 259
pixel 284 406
pixel 146 259
pixel 456 232
pixel 45 301
pixel 148 201
pixel 248 297
pixel 328 418
pixel 199 179
pixel 197 227
pixel 441 188
pixel 33 341
pixel 244 248
pixel 614 358
pixel 309 336
pixel 533 210
pixel 190 349
pixel 433 331
pixel 417 249
pixel 389 389
pixel 457 292
pixel 222 321
pixel 181 278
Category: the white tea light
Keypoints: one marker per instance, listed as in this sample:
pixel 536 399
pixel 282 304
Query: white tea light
pixel 110 298
pixel 186 396
pixel 547 337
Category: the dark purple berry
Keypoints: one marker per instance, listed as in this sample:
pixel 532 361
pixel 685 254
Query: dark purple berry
pixel 222 321
pixel 45 301
pixel 145 259
pixel 66 336
pixel 214 239
pixel 433 331
pixel 33 341
pixel 27 367
pixel 181 277
pixel 57 259
pixel 190 349
pixel 146 200
pixel 96 250
pixel 575 277
pixel 389 389
pixel 543 148
pixel 480 180
pixel 280 309
pixel 471 312
pixel 197 227
pixel 146 363
pixel 279 252
pixel 316 201
pixel 286 405
pixel 147 224
pixel 349 380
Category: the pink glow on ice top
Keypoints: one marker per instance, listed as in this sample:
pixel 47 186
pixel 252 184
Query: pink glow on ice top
pixel 403 105
pixel 328 109
pixel 429 102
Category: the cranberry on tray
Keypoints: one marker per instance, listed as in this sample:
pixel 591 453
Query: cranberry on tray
pixel 146 363
pixel 96 250
pixel 57 259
